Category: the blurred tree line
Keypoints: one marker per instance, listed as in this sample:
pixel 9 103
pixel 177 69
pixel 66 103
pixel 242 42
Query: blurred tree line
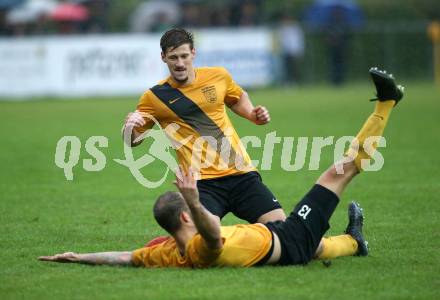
pixel 394 35
pixel 374 9
pixel 390 10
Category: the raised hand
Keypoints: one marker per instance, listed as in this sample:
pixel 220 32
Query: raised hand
pixel 187 184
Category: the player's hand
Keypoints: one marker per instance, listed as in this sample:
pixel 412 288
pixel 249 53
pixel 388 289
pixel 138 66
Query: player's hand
pixel 261 115
pixel 186 183
pixel 64 257
pixel 134 119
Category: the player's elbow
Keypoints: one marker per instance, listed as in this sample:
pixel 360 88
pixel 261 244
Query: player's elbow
pixel 218 244
pixel 244 95
pixel 127 258
pixel 214 242
pixel 212 234
pixel 217 241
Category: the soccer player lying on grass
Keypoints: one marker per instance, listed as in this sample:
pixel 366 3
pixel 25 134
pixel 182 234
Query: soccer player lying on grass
pixel 200 241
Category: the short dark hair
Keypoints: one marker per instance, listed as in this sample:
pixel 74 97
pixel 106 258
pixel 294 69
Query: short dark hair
pixel 176 37
pixel 167 210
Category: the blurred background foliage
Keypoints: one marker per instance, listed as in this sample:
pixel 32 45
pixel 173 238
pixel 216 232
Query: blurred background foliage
pixel 393 34
pixel 375 10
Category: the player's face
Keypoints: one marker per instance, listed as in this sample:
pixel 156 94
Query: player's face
pixel 180 62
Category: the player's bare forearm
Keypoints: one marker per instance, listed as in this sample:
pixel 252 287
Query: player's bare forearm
pixel 106 258
pixel 206 223
pixel 244 108
pixel 100 258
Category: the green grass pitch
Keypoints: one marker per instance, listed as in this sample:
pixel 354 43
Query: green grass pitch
pixel 42 213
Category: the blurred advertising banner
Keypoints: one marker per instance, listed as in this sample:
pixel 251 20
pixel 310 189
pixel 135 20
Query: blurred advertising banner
pixel 123 64
pixel 79 66
pixel 248 54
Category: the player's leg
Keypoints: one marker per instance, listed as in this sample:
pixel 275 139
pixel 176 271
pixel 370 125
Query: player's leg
pixel 303 230
pixel 213 195
pixel 321 201
pixel 388 95
pixel 348 244
pixel 252 200
pixel 301 234
pixel 317 207
pixel 336 181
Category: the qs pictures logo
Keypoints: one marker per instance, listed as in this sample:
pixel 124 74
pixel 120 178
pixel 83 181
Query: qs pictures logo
pixel 161 141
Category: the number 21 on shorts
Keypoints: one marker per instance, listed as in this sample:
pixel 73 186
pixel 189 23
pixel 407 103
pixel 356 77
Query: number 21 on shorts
pixel 304 211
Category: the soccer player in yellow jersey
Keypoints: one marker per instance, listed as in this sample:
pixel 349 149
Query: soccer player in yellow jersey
pixel 196 99
pixel 200 241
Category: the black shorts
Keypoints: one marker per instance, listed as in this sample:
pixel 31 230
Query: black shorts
pixel 244 195
pixel 302 231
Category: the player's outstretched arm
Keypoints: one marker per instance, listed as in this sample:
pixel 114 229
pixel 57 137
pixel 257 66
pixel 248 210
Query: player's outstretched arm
pixel 244 108
pixel 99 258
pixel 207 224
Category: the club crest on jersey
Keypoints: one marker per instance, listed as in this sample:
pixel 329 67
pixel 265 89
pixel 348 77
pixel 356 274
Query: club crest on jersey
pixel 210 93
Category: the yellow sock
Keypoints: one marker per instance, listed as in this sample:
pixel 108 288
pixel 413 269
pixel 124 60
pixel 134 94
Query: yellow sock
pixel 374 126
pixel 336 246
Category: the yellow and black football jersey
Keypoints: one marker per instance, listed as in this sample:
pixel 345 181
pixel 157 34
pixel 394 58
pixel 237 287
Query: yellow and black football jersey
pixel 243 246
pixel 207 140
